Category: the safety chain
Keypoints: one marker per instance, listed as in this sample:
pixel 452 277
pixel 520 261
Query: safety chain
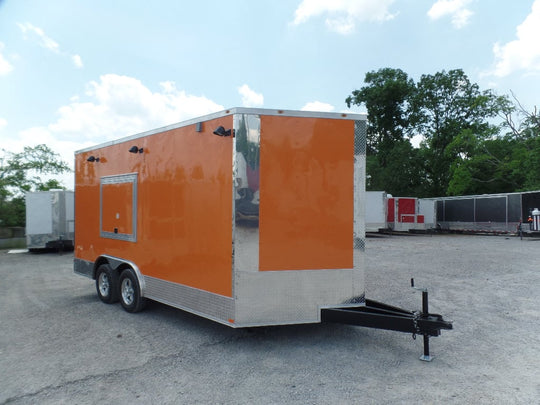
pixel 416 315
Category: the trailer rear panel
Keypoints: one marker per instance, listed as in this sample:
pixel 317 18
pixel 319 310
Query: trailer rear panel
pixel 49 219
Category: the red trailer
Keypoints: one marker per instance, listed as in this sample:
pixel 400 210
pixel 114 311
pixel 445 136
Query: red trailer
pixel 403 214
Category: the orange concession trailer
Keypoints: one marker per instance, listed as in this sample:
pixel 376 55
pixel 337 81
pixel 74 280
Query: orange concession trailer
pixel 248 217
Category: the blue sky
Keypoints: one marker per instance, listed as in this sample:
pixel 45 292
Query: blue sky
pixel 75 73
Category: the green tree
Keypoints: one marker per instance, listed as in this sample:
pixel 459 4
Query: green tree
pixel 526 135
pixel 402 175
pixel 444 105
pixel 386 96
pixel 498 161
pixel 485 165
pixel 462 152
pixel 21 172
pixel 393 164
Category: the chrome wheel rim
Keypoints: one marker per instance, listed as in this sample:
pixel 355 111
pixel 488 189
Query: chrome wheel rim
pixel 104 284
pixel 128 293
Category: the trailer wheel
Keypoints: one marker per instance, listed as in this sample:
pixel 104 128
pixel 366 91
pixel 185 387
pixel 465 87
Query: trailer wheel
pixel 107 284
pixel 130 292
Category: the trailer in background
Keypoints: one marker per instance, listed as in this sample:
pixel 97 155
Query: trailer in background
pixel 376 211
pixel 50 220
pixel 427 209
pixel 400 214
pixel 491 213
pixel 404 215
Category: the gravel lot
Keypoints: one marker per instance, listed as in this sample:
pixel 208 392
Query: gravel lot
pixel 60 345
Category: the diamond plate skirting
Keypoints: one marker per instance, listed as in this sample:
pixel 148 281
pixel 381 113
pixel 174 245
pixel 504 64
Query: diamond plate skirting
pixel 204 303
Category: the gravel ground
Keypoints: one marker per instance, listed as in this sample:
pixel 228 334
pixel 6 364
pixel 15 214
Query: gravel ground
pixel 60 345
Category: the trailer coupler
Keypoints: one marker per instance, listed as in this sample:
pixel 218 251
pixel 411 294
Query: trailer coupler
pixel 382 316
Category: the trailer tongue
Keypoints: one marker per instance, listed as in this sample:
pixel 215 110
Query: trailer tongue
pixel 383 316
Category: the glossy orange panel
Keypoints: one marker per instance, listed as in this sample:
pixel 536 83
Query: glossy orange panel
pixel 117 208
pixel 306 193
pixel 184 205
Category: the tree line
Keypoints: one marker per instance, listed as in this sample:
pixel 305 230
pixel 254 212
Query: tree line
pixel 473 141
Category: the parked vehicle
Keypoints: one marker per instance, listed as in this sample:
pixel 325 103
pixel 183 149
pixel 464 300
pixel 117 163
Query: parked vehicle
pixel 249 217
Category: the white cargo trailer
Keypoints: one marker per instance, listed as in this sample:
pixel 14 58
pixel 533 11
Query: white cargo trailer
pixel 376 211
pixel 427 208
pixel 50 219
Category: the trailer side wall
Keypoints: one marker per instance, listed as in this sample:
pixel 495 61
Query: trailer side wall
pixel 182 200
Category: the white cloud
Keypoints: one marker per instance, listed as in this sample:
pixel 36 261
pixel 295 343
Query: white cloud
pixel 249 97
pixel 456 9
pixel 5 66
pixel 3 123
pixel 77 61
pixel 37 35
pixel 343 15
pixel 168 86
pixel 114 106
pixel 122 105
pixel 523 53
pixel 318 106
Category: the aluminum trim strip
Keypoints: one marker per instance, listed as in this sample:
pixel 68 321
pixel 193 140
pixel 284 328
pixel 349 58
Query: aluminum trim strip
pixel 119 179
pixel 299 113
pixel 359 225
pixel 359 191
pixel 206 304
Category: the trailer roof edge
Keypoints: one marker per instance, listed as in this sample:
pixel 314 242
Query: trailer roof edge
pixel 231 111
pixel 471 196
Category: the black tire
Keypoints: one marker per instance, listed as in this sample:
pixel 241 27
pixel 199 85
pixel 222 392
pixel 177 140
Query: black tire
pixel 107 284
pixel 130 292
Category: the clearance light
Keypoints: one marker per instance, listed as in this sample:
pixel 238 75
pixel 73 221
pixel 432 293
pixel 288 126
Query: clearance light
pixel 136 149
pixel 220 131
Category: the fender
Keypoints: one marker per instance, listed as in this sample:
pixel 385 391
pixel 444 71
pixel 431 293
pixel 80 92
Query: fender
pixel 117 262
